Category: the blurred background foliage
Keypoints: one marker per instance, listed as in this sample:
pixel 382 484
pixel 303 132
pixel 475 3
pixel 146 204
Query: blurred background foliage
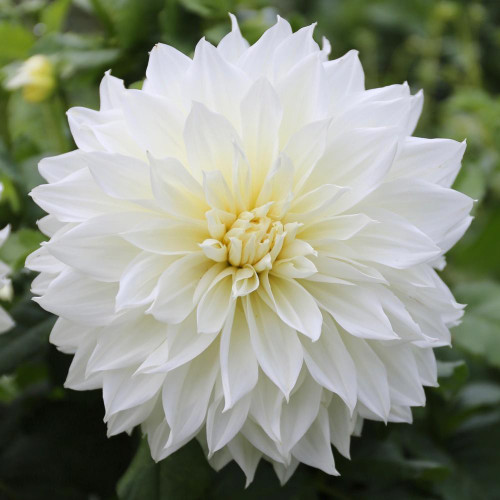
pixel 53 443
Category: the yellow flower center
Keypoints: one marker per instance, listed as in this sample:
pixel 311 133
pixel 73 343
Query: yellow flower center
pixel 251 239
pixel 254 240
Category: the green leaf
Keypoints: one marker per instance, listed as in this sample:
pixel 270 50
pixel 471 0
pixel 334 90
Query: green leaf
pixel 479 332
pixel 8 388
pixel 19 245
pixel 452 375
pixel 20 344
pixel 54 15
pixel 480 394
pixel 479 251
pixel 77 60
pixel 9 194
pixel 15 42
pixel 185 475
pixel 133 21
pixel 204 8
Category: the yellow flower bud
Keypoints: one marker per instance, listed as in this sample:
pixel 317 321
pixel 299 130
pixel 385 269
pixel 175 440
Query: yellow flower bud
pixel 35 77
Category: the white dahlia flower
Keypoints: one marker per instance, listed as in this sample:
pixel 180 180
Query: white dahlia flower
pixel 6 322
pixel 245 251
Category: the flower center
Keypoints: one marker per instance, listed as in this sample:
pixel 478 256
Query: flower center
pixel 253 239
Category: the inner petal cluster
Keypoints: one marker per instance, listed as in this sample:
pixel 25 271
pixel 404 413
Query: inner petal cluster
pixel 250 239
pixel 254 240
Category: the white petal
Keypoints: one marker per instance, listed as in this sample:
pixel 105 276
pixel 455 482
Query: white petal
pixel 233 45
pixel 345 76
pixel 77 198
pixel 276 345
pixel 373 388
pixel 340 425
pixel 80 299
pixel 416 105
pixel 392 242
pixel 398 315
pixel 222 426
pixel 328 231
pixel 183 344
pixel 77 378
pixel 256 436
pixel 215 82
pixel 110 90
pixel 261 114
pixel 67 336
pixel 217 192
pixel 402 374
pixel 215 304
pixel 160 235
pixel 285 472
pixel 296 267
pixel 115 137
pixel 314 448
pixel 400 414
pixel 357 309
pixel 175 189
pixel 433 160
pixel 119 346
pixel 426 365
pixel 300 412
pixel 246 456
pixel 42 261
pixel 209 139
pixel 126 420
pixel 166 70
pixel 56 168
pixel 276 187
pixel 82 121
pixel 139 279
pixel 220 458
pixel 257 60
pixel 419 202
pixel 293 304
pixel 332 270
pixel 319 202
pixel 92 250
pixel 239 368
pixel 305 83
pixel 176 286
pixel 186 393
pixel 266 406
pixel 293 50
pixel 159 132
pixel 122 389
pixel 245 281
pixel 383 107
pixel 50 225
pixel 119 176
pixel 356 158
pixel 330 364
pixel 306 147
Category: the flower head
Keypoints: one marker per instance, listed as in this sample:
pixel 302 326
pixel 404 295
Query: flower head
pixel 35 77
pixel 245 251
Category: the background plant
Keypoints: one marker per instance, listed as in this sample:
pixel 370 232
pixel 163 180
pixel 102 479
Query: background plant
pixel 52 441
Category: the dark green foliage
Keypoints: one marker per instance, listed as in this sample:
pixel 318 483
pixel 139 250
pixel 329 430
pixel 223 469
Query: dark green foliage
pixel 53 442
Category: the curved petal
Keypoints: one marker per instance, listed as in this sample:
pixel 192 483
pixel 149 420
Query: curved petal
pixel 276 345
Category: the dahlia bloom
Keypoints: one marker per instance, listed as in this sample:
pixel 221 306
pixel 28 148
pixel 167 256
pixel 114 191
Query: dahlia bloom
pixel 6 322
pixel 245 251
